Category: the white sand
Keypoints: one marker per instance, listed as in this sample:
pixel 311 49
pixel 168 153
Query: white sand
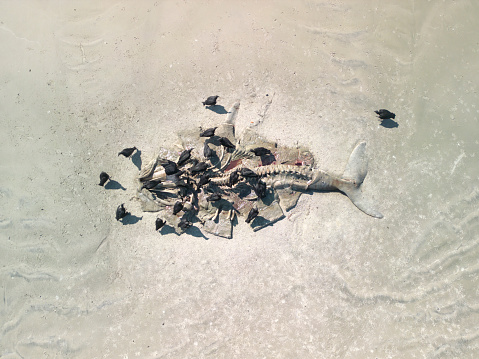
pixel 83 79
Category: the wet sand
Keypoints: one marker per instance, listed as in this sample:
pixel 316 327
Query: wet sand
pixel 83 80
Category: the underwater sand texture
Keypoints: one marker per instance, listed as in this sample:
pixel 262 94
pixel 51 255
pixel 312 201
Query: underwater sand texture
pixel 81 80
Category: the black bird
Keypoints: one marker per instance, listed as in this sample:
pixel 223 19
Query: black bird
pixel 260 189
pixel 189 182
pixel 127 152
pixel 177 207
pixel 246 172
pixel 385 114
pixel 121 212
pixel 207 151
pixel 226 143
pixel 182 190
pixel 170 168
pixel 234 178
pixel 184 224
pixel 214 197
pixel 150 184
pixel 175 177
pixel 210 101
pixel 159 223
pixel 204 179
pixel 103 178
pixel 252 214
pixel 184 157
pixel 199 167
pixel 210 132
pixel 260 151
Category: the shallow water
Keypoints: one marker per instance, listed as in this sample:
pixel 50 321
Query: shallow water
pixel 83 80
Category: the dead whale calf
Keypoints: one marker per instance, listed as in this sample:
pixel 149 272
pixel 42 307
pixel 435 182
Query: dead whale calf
pixel 127 152
pixel 103 178
pixel 246 183
pixel 385 114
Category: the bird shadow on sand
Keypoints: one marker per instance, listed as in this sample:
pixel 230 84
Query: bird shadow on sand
pixel 220 110
pixel 136 159
pixel 131 219
pixel 389 123
pixel 166 230
pixel 112 184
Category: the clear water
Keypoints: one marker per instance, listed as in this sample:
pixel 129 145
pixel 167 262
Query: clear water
pixel 83 80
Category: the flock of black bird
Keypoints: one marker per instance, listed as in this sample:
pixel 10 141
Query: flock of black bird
pixel 171 169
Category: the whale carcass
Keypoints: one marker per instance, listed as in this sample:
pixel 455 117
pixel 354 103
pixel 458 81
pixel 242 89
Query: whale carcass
pixel 254 173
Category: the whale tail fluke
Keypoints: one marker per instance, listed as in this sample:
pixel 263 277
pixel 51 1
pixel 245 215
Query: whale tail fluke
pixel 353 176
